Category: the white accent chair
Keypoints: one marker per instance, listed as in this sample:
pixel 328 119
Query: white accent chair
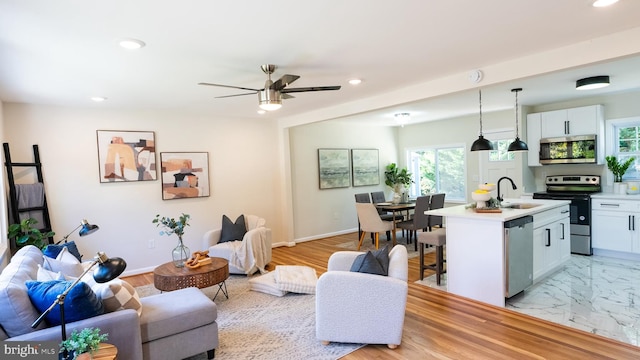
pixel 343 297
pixel 251 254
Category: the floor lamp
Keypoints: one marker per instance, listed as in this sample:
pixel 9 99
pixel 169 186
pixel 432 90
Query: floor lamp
pixel 108 269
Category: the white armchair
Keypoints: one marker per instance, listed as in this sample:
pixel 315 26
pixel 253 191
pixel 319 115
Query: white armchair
pixel 344 299
pixel 251 254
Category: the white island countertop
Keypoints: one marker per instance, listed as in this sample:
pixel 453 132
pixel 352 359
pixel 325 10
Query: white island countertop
pixel 476 259
pixel 507 214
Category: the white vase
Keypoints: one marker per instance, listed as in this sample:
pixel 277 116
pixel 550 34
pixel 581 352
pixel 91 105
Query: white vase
pixel 616 187
pixel 623 188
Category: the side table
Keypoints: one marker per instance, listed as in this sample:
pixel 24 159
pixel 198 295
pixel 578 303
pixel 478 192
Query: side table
pixel 106 352
pixel 167 277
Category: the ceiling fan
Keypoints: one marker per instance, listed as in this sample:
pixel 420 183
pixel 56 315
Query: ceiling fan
pixel 270 97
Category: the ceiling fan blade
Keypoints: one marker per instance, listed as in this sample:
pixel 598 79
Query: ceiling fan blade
pixel 286 96
pixel 226 96
pixel 312 88
pixel 230 86
pixel 285 80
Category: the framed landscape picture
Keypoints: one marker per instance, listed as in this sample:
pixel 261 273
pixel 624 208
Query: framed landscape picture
pixel 365 167
pixel 333 168
pixel 126 155
pixel 184 175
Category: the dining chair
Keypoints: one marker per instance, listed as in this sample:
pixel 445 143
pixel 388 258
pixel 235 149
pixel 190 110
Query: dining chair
pixel 437 202
pixel 418 221
pixel 370 222
pixel 378 197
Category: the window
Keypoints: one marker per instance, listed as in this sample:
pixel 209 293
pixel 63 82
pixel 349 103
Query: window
pixel 500 153
pixel 626 143
pixel 440 169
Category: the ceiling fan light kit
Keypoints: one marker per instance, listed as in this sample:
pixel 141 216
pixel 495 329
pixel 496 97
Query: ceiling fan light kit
pixel 594 82
pixel 270 97
pixel 269 100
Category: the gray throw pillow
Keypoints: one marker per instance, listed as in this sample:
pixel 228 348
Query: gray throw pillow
pixel 232 231
pixel 376 262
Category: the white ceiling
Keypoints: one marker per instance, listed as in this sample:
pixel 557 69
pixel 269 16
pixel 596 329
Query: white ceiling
pixel 63 52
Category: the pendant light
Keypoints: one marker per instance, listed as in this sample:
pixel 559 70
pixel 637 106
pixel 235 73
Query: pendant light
pixel 481 144
pixel 517 144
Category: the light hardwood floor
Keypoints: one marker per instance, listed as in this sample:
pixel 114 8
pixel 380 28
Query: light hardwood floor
pixel 439 325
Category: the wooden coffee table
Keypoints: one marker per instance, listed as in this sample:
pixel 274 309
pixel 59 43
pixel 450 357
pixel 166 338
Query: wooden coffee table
pixel 167 277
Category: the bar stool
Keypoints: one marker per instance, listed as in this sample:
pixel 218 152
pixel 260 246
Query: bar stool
pixel 437 238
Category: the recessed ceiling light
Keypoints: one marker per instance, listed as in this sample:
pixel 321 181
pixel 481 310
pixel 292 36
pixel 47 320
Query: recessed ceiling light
pixel 98 98
pixel 603 3
pixel 262 112
pixel 355 81
pixel 131 44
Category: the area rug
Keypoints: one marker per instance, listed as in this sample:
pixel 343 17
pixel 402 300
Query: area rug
pixel 255 325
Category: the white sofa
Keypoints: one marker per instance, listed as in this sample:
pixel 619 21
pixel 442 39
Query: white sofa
pixel 353 307
pixel 251 254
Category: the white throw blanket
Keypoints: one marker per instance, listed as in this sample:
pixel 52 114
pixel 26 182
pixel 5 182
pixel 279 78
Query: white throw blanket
pixel 250 255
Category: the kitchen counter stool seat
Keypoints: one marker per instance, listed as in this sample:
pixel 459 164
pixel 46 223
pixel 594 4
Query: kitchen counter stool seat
pixel 437 238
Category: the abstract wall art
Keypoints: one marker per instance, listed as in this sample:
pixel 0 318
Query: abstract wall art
pixel 184 175
pixel 126 156
pixel 365 167
pixel 333 168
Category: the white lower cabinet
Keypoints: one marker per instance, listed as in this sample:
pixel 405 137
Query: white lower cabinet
pixel 551 241
pixel 616 225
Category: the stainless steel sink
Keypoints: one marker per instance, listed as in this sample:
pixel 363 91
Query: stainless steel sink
pixel 520 206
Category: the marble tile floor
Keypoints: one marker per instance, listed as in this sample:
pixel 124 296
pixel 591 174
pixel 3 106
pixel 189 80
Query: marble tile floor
pixel 596 294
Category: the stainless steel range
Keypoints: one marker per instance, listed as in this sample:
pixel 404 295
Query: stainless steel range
pixel 577 189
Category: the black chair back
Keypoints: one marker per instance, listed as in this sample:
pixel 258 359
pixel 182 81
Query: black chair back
pixel 363 198
pixel 437 202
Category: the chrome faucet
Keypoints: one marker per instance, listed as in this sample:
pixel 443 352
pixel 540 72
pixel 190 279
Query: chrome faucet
pixel 500 198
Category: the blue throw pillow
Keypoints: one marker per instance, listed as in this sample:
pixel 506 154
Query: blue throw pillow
pixel 372 262
pixel 232 231
pixel 80 303
pixel 53 250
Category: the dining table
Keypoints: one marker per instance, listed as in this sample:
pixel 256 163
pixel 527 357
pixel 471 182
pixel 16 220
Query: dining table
pixel 396 208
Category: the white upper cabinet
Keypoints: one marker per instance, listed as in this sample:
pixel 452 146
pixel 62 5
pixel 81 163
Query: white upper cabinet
pixel 569 122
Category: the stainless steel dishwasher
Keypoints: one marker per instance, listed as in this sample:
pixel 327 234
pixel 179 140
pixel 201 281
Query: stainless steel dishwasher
pixel 518 250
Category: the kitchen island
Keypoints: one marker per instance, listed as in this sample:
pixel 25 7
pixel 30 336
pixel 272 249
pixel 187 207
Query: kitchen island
pixel 475 250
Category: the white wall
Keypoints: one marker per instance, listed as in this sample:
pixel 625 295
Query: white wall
pixel 318 213
pixel 243 173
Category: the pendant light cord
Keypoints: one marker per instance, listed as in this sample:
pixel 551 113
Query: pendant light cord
pixel 517 132
pixel 480 97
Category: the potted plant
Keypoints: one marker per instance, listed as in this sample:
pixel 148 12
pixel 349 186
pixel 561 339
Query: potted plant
pixel 26 234
pixel 397 179
pixel 180 253
pixel 86 342
pixel 618 168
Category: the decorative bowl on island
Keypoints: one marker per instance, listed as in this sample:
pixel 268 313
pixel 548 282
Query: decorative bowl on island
pixel 481 195
pixel 487 186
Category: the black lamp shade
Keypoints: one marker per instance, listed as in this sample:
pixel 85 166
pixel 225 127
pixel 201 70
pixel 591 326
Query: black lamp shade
pixel 594 82
pixel 481 144
pixel 518 145
pixel 109 269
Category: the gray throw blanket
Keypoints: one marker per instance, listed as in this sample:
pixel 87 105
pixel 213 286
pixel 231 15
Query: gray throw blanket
pixel 28 196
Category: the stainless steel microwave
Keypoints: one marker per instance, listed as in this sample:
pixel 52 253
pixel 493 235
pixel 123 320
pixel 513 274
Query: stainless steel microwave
pixel 568 150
